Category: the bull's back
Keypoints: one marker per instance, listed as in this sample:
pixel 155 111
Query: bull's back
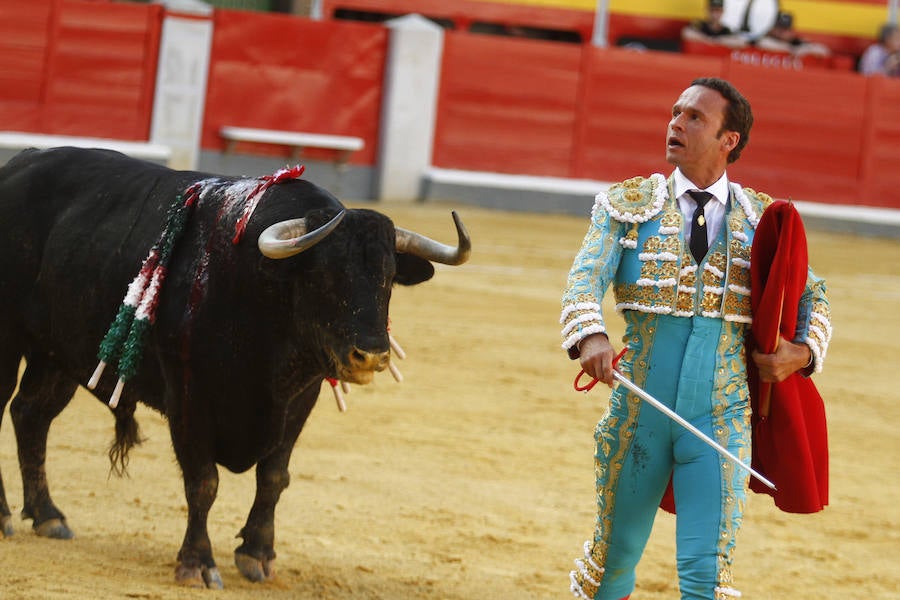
pixel 48 182
pixel 75 224
pixel 54 202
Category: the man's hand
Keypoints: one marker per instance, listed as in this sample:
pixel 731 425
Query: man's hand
pixel 787 359
pixel 597 355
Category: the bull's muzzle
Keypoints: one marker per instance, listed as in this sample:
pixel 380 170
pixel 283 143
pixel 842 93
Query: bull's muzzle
pixel 360 366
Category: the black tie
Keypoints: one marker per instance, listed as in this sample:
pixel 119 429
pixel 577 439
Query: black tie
pixel 699 244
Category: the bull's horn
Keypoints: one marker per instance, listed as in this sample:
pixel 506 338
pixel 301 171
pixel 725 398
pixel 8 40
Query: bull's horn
pixel 288 238
pixel 421 246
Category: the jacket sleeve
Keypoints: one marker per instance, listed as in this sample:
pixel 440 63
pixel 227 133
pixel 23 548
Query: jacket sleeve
pixel 814 320
pixel 591 274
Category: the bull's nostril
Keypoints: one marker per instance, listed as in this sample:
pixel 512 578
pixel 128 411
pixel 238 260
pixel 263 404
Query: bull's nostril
pixel 358 357
pixel 369 361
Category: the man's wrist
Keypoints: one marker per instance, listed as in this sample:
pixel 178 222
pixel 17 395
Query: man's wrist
pixel 587 337
pixel 810 364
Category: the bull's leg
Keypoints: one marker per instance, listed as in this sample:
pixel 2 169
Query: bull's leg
pixel 255 555
pixel 43 392
pixel 196 566
pixel 6 526
pixel 254 558
pixel 9 375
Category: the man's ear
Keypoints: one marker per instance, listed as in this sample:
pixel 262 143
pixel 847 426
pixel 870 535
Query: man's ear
pixel 412 269
pixel 730 140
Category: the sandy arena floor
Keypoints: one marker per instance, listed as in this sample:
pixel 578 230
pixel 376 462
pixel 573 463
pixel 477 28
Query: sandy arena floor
pixel 473 479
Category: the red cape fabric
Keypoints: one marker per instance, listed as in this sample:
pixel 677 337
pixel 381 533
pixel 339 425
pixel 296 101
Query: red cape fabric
pixel 790 440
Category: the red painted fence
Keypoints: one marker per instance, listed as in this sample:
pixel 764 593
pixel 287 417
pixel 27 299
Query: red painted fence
pixel 274 71
pixel 527 107
pixel 75 67
pixel 506 105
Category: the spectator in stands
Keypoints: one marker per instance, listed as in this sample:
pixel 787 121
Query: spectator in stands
pixel 883 57
pixel 783 38
pixel 750 18
pixel 711 30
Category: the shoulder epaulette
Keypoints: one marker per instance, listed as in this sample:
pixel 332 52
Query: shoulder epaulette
pixel 764 199
pixel 752 202
pixel 635 200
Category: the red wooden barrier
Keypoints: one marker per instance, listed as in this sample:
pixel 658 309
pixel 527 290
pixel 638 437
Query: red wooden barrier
pixel 626 102
pixel 24 32
pixel 821 135
pixel 275 71
pixel 763 58
pixel 880 157
pixel 807 139
pixel 78 68
pixel 506 105
pixel 102 69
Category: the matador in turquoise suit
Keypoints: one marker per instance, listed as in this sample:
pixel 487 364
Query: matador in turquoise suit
pixel 676 251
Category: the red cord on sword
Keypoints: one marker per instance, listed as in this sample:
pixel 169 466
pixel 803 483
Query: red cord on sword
pixel 640 393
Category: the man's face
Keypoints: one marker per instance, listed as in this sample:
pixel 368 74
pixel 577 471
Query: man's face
pixel 715 15
pixel 692 141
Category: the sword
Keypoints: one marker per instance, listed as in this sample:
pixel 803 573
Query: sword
pixel 672 415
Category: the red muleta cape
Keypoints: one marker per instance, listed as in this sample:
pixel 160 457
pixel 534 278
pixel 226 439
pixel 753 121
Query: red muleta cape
pixel 790 438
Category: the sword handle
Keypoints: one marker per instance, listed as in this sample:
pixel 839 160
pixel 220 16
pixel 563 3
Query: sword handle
pixel 618 357
pixel 590 385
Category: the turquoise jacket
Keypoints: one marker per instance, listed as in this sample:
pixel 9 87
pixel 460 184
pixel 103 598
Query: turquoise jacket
pixel 636 245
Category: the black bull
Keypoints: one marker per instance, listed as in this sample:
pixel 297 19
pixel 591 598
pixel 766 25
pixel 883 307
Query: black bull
pixel 244 331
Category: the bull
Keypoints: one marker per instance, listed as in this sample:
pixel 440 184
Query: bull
pixel 244 329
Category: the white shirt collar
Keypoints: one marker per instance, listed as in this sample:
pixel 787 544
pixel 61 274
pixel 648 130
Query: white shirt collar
pixel 719 189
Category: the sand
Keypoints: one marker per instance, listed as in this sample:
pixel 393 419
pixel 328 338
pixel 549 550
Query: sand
pixel 473 478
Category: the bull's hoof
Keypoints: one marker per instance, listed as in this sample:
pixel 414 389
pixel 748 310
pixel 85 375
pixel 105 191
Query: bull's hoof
pixel 254 569
pixel 198 577
pixel 55 529
pixel 212 579
pixel 6 527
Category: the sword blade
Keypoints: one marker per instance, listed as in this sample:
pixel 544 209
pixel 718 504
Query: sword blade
pixel 681 421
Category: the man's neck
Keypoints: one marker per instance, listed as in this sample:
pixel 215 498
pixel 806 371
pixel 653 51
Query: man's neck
pixel 683 183
pixel 703 180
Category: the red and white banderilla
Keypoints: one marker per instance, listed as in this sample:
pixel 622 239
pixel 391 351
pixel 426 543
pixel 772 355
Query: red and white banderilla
pixel 672 415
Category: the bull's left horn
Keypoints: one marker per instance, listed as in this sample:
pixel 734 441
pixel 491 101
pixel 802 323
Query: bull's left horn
pixel 288 238
pixel 423 247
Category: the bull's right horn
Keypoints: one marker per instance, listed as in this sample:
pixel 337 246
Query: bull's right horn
pixel 288 238
pixel 421 246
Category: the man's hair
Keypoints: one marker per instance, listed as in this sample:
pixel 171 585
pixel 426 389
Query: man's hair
pixel 738 116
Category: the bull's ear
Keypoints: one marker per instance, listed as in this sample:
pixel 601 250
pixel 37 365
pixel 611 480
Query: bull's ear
pixel 412 270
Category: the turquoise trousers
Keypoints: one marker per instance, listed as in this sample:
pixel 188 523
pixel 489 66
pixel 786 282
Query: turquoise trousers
pixel 696 366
